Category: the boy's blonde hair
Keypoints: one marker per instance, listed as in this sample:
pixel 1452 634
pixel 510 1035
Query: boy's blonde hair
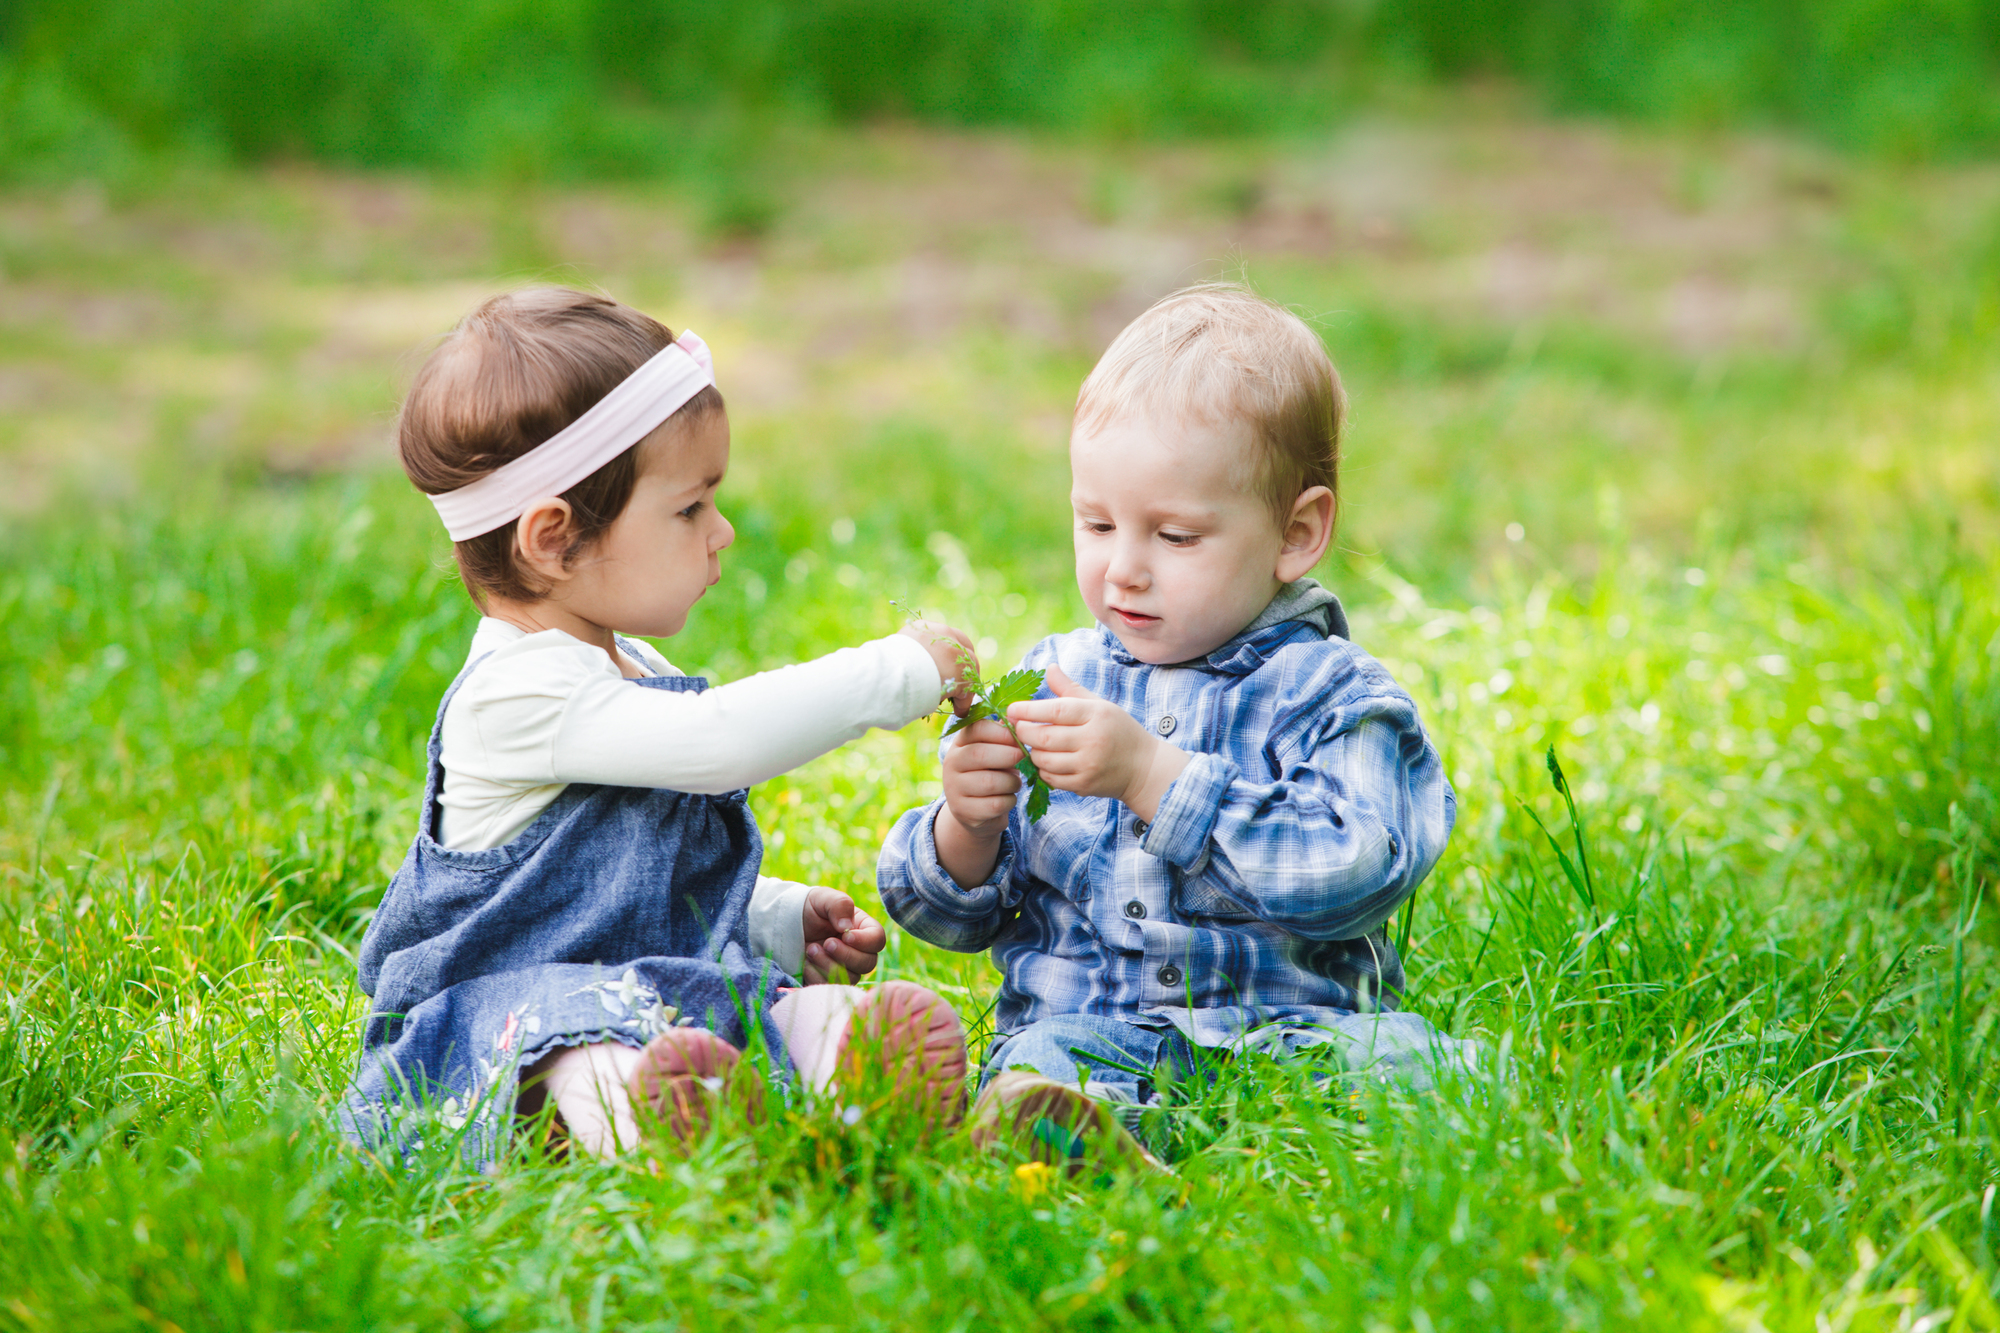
pixel 1218 350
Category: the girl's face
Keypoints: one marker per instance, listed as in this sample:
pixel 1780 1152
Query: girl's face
pixel 658 556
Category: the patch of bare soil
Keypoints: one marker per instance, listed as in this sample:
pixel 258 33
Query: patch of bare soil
pixel 278 316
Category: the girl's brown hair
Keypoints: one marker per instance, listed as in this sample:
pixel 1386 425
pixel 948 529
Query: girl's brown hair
pixel 514 372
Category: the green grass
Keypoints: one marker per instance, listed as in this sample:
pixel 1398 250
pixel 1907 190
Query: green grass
pixel 1751 1075
pixel 573 90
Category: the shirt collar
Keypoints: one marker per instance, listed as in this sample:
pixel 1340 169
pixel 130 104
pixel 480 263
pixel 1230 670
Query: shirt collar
pixel 1302 608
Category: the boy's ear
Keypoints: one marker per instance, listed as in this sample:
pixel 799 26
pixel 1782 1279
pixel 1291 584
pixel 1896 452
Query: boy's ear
pixel 1308 532
pixel 541 535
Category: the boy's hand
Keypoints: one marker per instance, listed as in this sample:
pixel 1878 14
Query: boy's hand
pixel 1091 746
pixel 980 781
pixel 980 778
pixel 952 651
pixel 838 934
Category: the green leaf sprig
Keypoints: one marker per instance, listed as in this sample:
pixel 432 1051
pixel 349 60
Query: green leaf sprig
pixel 990 699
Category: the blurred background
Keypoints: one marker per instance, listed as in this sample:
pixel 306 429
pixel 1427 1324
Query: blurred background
pixel 231 224
pixel 1674 319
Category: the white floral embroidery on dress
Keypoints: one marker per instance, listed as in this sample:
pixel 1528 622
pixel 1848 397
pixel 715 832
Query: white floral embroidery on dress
pixel 635 1004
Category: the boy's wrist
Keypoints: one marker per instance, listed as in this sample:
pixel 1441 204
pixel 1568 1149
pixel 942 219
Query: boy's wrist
pixel 967 856
pixel 1155 774
pixel 989 832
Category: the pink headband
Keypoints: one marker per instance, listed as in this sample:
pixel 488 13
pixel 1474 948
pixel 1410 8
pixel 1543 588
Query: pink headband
pixel 619 420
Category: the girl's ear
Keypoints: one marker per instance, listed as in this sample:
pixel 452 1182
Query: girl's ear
pixel 542 535
pixel 1308 532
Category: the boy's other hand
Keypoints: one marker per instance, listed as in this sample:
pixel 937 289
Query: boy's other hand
pixel 838 934
pixel 980 778
pixel 1088 745
pixel 952 651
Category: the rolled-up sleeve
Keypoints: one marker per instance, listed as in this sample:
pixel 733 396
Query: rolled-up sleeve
pixel 1328 851
pixel 923 898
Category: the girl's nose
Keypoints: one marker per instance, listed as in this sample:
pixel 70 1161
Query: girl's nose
pixel 726 532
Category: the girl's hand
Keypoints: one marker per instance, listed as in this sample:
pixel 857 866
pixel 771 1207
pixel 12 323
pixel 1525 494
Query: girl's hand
pixel 838 934
pixel 952 651
pixel 1091 746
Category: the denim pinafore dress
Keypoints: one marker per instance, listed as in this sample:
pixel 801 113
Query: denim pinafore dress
pixel 618 913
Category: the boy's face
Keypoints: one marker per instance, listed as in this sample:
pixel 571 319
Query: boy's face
pixel 1173 550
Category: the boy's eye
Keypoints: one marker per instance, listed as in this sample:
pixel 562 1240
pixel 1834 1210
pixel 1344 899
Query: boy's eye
pixel 1179 538
pixel 1091 525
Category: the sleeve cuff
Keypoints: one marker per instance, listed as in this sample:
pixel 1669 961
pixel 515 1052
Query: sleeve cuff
pixel 941 891
pixel 777 923
pixel 1181 827
pixel 922 685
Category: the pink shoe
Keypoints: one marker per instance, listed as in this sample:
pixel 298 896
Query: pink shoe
pixel 683 1075
pixel 912 1032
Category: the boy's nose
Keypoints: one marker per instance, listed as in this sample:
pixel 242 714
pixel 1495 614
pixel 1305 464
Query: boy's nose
pixel 1127 569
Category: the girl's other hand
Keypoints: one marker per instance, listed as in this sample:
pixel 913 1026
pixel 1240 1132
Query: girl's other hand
pixel 952 651
pixel 838 934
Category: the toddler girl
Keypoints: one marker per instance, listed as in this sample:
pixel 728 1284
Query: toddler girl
pixel 580 918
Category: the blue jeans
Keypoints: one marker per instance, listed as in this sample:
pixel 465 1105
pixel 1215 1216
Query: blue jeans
pixel 1398 1047
pixel 1121 1058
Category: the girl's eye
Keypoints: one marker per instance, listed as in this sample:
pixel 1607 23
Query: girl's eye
pixel 694 509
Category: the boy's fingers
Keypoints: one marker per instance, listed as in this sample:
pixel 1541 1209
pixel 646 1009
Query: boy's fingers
pixel 1066 712
pixel 1058 680
pixel 985 753
pixel 1059 764
pixel 989 782
pixel 1051 736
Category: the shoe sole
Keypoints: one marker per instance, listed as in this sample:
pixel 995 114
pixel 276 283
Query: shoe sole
pixel 915 1034
pixel 1060 1126
pixel 683 1078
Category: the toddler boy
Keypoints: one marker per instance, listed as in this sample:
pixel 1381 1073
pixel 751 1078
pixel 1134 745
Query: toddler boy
pixel 1242 797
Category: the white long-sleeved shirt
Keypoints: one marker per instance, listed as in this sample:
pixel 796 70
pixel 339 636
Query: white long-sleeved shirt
pixel 545 710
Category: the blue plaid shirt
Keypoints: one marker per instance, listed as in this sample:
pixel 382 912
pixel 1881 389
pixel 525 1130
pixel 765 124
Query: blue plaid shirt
pixel 1312 807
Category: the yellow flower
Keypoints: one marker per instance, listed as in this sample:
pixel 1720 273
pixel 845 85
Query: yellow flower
pixel 1031 1178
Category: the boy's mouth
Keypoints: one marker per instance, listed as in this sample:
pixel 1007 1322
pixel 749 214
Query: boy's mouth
pixel 1133 618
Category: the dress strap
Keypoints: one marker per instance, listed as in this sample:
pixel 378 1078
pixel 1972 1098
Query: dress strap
pixel 434 750
pixel 631 649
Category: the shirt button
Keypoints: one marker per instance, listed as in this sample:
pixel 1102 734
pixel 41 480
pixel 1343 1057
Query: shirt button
pixel 1170 975
pixel 1165 726
pixel 1135 909
pixel 1139 827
